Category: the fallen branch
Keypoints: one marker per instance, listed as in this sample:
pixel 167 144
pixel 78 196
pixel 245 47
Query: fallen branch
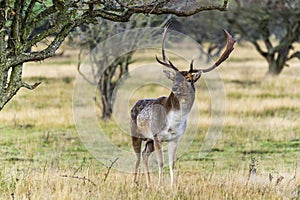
pixel 80 167
pixel 81 178
pixel 109 168
pixel 279 179
pixel 295 174
pixel 253 167
pixel 12 159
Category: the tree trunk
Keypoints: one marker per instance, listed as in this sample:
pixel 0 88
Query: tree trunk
pixel 107 107
pixel 10 83
pixel 274 68
pixel 108 83
pixel 3 83
pixel 276 64
pixel 105 87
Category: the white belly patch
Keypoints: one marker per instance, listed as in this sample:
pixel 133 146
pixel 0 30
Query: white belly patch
pixel 173 127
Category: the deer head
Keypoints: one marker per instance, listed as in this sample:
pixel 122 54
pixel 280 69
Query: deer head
pixel 192 75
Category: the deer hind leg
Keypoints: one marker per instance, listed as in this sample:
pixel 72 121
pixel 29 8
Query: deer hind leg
pixel 136 143
pixel 149 148
pixel 160 159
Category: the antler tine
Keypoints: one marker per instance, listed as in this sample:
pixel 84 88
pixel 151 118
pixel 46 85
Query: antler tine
pixel 166 28
pixel 228 49
pixel 164 62
pixel 191 66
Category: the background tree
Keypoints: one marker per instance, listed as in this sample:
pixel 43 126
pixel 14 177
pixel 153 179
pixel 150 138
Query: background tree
pixel 262 21
pixel 19 20
pixel 107 72
pixel 272 26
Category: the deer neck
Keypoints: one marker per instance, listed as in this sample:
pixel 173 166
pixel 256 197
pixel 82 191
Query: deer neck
pixel 182 103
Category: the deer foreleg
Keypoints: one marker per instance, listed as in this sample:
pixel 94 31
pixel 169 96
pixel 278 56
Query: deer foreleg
pixel 160 158
pixel 172 147
pixel 136 169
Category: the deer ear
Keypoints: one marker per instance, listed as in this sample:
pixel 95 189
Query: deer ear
pixel 197 76
pixel 170 74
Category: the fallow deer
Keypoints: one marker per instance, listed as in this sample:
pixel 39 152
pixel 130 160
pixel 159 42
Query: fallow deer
pixel 165 119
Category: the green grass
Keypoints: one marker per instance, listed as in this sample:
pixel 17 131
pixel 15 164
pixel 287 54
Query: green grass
pixel 42 156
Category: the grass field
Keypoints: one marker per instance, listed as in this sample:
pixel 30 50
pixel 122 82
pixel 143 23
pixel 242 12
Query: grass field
pixel 42 156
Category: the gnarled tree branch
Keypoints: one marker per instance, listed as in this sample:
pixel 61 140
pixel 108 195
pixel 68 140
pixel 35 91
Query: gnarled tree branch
pixel 20 21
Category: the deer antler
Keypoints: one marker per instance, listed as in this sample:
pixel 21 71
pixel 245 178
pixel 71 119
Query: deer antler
pixel 165 62
pixel 228 49
pixel 191 66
